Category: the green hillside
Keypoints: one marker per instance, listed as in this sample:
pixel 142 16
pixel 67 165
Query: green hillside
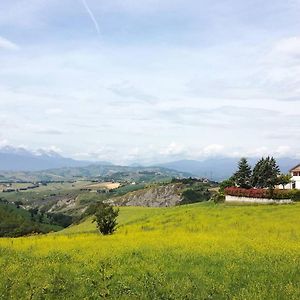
pixel 16 221
pixel 199 251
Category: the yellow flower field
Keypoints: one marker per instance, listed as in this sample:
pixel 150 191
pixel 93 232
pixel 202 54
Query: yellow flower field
pixel 201 251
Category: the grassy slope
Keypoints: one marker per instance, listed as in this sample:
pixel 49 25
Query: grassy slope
pixel 198 251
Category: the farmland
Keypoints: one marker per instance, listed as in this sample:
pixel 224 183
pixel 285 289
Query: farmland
pixel 73 197
pixel 198 251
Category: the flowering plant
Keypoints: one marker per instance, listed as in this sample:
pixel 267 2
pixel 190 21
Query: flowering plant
pixel 258 193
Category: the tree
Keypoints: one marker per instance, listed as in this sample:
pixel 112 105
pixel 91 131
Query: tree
pixel 265 173
pixel 284 179
pixel 33 212
pixel 242 176
pixel 106 218
pixel 227 183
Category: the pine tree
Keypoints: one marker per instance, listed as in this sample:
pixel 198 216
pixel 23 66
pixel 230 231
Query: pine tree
pixel 242 176
pixel 257 174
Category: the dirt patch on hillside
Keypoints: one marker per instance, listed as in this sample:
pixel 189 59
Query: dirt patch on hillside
pixel 155 196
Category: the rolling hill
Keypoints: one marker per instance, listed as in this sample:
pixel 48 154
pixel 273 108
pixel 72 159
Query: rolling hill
pixel 96 172
pixel 199 251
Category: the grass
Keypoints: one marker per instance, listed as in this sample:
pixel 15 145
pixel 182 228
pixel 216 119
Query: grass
pixel 200 251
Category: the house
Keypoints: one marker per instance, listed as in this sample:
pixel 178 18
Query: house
pixel 295 180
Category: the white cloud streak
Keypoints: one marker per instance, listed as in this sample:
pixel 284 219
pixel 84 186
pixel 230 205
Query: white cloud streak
pixel 8 45
pixel 90 13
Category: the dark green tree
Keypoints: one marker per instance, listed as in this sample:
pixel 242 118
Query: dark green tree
pixel 242 177
pixel 257 179
pixel 265 173
pixel 106 218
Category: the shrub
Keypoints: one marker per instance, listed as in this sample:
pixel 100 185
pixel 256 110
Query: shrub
pixel 195 195
pixel 294 195
pixel 226 183
pixel 218 197
pixel 106 218
pixel 263 193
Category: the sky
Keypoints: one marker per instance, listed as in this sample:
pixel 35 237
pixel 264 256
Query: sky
pixel 151 80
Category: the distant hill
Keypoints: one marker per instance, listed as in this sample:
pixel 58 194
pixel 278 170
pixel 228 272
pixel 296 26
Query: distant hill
pixel 95 172
pixel 221 168
pixel 20 159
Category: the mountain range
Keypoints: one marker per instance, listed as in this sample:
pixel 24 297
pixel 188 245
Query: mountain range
pixel 220 168
pixel 217 168
pixel 21 159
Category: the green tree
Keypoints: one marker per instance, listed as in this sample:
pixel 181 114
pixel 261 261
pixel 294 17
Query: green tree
pixel 265 173
pixel 106 218
pixel 284 179
pixel 226 183
pixel 242 176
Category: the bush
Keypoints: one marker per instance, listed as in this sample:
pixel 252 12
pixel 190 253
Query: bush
pixel 295 195
pixel 263 193
pixel 226 183
pixel 195 195
pixel 106 218
pixel 218 197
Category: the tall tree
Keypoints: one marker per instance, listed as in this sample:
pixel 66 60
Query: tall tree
pixel 106 218
pixel 242 176
pixel 265 173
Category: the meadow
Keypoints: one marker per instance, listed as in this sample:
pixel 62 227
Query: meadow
pixel 198 251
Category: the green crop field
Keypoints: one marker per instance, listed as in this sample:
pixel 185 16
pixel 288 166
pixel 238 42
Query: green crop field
pixel 200 251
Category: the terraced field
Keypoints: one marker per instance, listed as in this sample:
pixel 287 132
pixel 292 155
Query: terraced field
pixel 200 251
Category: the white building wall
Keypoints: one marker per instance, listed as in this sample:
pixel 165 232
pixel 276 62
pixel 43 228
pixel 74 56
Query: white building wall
pixel 229 198
pixel 296 179
pixel 295 183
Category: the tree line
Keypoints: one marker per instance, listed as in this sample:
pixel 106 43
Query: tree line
pixel 265 174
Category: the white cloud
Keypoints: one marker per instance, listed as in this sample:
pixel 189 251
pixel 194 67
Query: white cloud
pixel 212 150
pixel 7 45
pixel 54 111
pixel 49 131
pixel 289 46
pixel 4 143
pixel 117 96
pixel 283 151
pixel 51 150
pixel 173 149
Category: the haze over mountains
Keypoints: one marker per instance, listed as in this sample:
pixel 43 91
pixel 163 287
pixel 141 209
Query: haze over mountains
pixel 220 168
pixel 21 159
pixel 216 168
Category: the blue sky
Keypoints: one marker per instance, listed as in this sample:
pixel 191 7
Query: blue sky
pixel 150 80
